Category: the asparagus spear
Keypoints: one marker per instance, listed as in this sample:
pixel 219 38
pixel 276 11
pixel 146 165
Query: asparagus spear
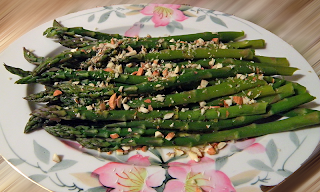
pixel 198 53
pixel 57 113
pixel 231 86
pixel 73 132
pixel 253 130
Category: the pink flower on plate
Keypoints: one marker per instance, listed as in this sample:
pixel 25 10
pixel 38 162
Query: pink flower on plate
pixel 250 146
pixel 131 176
pixel 201 176
pixel 162 14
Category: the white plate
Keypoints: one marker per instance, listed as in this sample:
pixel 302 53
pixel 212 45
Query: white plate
pixel 262 161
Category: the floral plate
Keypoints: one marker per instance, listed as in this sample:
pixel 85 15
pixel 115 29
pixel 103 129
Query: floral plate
pixel 241 166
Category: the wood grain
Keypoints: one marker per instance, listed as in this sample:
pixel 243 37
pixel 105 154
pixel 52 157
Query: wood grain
pixel 295 21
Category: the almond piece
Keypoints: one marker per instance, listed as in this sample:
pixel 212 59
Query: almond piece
pixel 170 136
pixel 238 100
pixel 211 151
pixel 102 106
pixel 56 158
pixel 114 136
pixel 140 71
pixel 108 69
pixel 119 101
pixel 56 93
pixel 112 101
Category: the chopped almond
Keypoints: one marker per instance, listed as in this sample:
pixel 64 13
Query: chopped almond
pixel 56 158
pixel 119 101
pixel 102 106
pixel 108 69
pixel 155 73
pixel 211 151
pixel 238 100
pixel 112 101
pixel 140 71
pixel 170 136
pixel 150 108
pixel 165 72
pixel 57 92
pixel 147 101
pixel 144 148
pixel 216 40
pixel 227 114
pixel 114 136
pixel 109 152
pixel 158 134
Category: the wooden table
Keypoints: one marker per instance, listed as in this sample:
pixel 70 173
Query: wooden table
pixel 295 21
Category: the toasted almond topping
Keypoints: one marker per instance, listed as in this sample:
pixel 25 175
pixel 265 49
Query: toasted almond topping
pixel 114 135
pixel 156 73
pixel 108 69
pixel 126 148
pixel 56 158
pixel 119 152
pixel 90 68
pixel 227 102
pixel 168 116
pixel 221 145
pixel 170 155
pixel 211 150
pixel 109 152
pixel 216 40
pixel 197 151
pixel 112 101
pixel 150 108
pixel 178 152
pixel 165 72
pixel 57 92
pixel 147 101
pixel 227 114
pixel 102 106
pixel 143 110
pixel 140 71
pixel 170 136
pixel 119 101
pixel 193 156
pixel 144 148
pixel 238 100
pixel 158 134
pixel 126 106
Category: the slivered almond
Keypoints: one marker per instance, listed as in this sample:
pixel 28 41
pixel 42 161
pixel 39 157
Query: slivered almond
pixel 147 101
pixel 102 106
pixel 227 114
pixel 155 73
pixel 112 101
pixel 144 148
pixel 170 136
pixel 216 40
pixel 119 101
pixel 165 72
pixel 114 135
pixel 108 69
pixel 211 151
pixel 150 108
pixel 134 73
pixel 140 71
pixel 57 92
pixel 238 100
pixel 112 41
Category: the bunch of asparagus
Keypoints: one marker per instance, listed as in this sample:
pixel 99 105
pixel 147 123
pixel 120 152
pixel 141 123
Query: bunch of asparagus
pixel 111 92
